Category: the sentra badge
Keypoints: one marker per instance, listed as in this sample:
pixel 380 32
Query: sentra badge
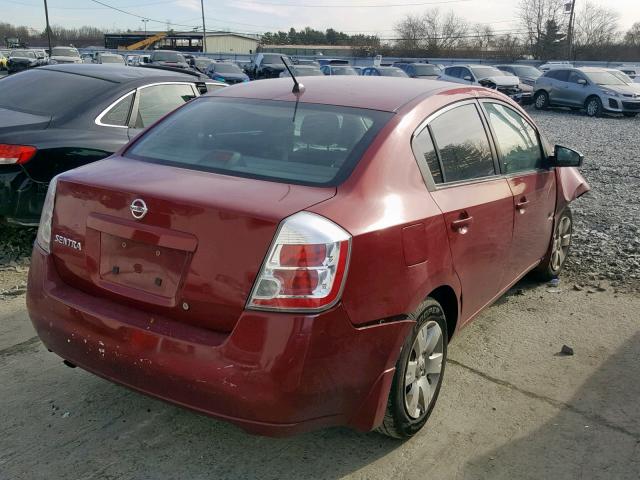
pixel 67 242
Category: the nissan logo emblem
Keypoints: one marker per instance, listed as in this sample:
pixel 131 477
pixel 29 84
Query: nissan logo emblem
pixel 138 208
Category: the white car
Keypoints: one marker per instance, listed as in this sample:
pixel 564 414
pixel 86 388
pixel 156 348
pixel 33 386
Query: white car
pixel 485 76
pixel 545 67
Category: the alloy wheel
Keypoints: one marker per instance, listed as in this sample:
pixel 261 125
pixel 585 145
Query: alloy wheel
pixel 561 242
pixel 541 101
pixel 592 107
pixel 424 367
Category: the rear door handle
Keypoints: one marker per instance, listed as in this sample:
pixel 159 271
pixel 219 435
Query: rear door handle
pixel 522 204
pixel 462 225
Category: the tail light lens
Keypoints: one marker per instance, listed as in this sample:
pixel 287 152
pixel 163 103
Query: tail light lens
pixel 20 154
pixel 44 229
pixel 305 268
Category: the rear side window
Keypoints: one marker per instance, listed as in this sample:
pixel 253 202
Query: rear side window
pixel 516 139
pixel 308 144
pixel 118 115
pixel 159 100
pixel 462 145
pixel 64 92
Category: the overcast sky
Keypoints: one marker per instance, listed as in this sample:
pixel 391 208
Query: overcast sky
pixel 256 16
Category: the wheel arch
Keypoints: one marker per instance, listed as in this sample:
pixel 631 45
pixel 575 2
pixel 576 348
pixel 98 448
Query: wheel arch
pixel 447 298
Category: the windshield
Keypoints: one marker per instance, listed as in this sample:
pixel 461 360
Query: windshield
pixel 392 72
pixel 622 76
pixel 287 142
pixel 343 71
pixel 111 59
pixel 272 59
pixel 227 68
pixel 167 57
pixel 424 70
pixel 64 52
pixel 65 92
pixel 23 53
pixel 484 72
pixel 603 78
pixel 524 71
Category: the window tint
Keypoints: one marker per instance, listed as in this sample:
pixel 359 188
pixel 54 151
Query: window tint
pixel 517 140
pixel 158 100
pixel 305 143
pixel 119 113
pixel 574 77
pixel 562 75
pixel 65 92
pixel 464 72
pixel 462 144
pixel 453 72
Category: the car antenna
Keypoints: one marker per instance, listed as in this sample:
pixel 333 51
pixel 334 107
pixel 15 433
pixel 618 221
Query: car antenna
pixel 298 88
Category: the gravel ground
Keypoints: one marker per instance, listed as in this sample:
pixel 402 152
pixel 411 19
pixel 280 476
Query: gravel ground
pixel 606 242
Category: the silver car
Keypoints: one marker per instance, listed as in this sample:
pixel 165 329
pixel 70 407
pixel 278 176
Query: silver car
pixel 594 89
pixel 486 76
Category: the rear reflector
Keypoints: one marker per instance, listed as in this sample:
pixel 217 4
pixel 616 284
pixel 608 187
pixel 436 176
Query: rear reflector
pixel 305 268
pixel 20 154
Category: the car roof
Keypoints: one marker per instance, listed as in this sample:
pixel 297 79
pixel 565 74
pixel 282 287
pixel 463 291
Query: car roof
pixel 590 69
pixel 119 74
pixel 374 93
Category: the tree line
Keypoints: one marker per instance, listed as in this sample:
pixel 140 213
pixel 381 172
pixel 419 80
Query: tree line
pixel 80 37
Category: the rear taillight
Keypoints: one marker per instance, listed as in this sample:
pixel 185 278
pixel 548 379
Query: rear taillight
pixel 44 229
pixel 306 266
pixel 20 154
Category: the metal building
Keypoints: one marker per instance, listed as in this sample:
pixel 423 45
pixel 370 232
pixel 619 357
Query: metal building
pixel 234 43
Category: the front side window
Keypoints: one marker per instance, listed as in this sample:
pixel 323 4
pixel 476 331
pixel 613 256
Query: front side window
pixel 280 141
pixel 159 100
pixel 516 139
pixel 118 115
pixel 462 144
pixel 575 76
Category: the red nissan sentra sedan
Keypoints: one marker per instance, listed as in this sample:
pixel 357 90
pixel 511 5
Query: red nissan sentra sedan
pixel 289 261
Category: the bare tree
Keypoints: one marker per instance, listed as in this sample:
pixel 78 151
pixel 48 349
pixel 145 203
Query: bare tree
pixel 535 16
pixel 595 26
pixel 433 32
pixel 632 37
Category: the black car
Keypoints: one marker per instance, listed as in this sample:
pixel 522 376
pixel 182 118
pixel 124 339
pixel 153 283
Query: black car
pixel 419 70
pixel 85 113
pixel 226 72
pixel 168 58
pixel 22 59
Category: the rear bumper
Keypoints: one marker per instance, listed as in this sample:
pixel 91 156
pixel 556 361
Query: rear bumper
pixel 21 198
pixel 274 374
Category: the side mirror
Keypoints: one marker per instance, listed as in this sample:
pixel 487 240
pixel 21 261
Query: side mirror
pixel 582 81
pixel 468 78
pixel 566 157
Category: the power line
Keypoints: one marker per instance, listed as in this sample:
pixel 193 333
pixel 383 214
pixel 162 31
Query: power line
pixel 342 5
pixel 191 27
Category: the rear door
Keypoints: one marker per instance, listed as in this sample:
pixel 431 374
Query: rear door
pixel 533 186
pixel 559 86
pixel 475 200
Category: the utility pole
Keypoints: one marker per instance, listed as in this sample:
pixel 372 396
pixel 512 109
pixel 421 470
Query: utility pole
pixel 570 29
pixel 204 29
pixel 145 20
pixel 46 16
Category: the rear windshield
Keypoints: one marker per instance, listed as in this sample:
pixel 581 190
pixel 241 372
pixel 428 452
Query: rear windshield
pixel 63 92
pixel 111 59
pixel 426 70
pixel 392 72
pixel 23 53
pixel 343 71
pixel 306 144
pixel 167 57
pixel 227 68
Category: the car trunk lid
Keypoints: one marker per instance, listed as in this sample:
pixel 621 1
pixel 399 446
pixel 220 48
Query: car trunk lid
pixel 192 255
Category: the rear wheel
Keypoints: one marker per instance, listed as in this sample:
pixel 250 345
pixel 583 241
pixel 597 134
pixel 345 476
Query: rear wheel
pixel 593 106
pixel 541 100
pixel 419 373
pixel 559 248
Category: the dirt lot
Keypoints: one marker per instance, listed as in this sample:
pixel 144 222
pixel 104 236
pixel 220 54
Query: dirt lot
pixel 511 406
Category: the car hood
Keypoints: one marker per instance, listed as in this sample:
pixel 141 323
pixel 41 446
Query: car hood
pixel 501 81
pixel 623 89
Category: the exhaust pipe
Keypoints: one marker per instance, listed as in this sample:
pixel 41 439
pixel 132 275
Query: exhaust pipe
pixel 68 364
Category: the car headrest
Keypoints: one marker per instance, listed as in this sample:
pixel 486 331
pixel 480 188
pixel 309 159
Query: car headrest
pixel 320 129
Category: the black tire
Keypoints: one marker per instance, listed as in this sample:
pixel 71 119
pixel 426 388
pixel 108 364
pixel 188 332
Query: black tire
pixel 541 100
pixel 593 107
pixel 548 269
pixel 630 114
pixel 397 422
